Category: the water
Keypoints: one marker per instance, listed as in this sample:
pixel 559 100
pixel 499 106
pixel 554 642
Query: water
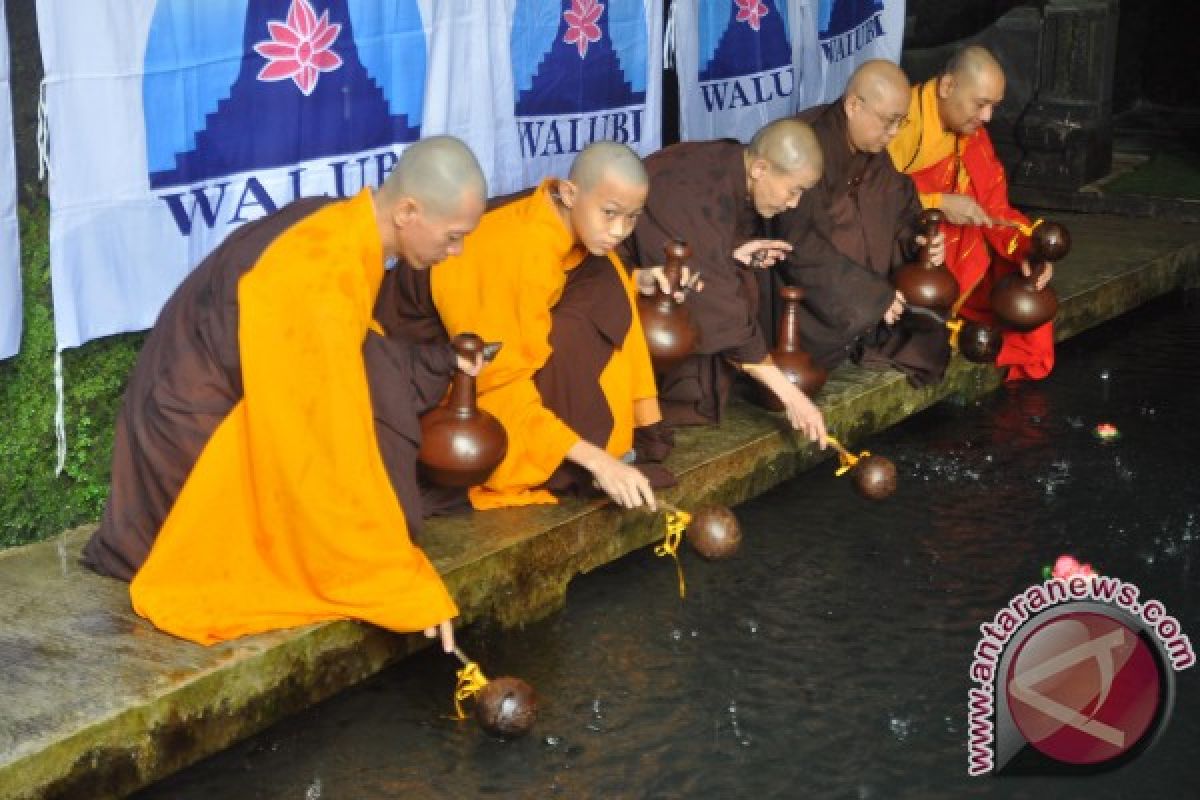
pixel 830 657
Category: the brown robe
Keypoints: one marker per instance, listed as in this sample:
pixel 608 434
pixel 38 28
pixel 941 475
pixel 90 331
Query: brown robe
pixel 867 211
pixel 188 379
pixel 698 194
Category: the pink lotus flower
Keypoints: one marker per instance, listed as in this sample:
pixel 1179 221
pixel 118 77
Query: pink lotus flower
pixel 299 48
pixel 582 29
pixel 1069 567
pixel 751 11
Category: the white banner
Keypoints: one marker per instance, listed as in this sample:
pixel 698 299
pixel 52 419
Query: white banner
pixel 174 122
pixel 740 64
pixel 10 250
pixel 850 32
pixel 579 71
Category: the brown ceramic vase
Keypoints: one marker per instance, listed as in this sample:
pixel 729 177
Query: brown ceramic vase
pixel 461 444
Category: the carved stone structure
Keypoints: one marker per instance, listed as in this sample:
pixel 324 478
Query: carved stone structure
pixel 1066 132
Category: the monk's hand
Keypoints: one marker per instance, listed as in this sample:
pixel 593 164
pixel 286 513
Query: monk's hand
pixel 446 631
pixel 626 485
pixel 1045 276
pixel 895 309
pixel 762 253
pixel 963 210
pixel 937 250
pixel 801 412
pixel 654 279
pixel 471 366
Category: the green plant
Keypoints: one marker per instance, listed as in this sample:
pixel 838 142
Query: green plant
pixel 35 502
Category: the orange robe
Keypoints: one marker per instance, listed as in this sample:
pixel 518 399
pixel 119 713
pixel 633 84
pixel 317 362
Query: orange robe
pixel 503 286
pixel 943 162
pixel 288 516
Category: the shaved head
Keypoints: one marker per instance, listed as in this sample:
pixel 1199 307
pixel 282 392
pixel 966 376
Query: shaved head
pixel 783 161
pixel 607 159
pixel 876 105
pixel 972 64
pixel 441 173
pixel 878 80
pixel 969 89
pixel 787 145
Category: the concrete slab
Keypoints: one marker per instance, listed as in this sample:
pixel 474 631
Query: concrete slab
pixel 97 703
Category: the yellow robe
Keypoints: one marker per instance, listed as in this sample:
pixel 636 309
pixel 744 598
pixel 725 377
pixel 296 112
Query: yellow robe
pixel 503 287
pixel 288 516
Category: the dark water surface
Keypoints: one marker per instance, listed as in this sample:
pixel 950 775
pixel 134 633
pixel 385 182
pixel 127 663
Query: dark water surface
pixel 830 658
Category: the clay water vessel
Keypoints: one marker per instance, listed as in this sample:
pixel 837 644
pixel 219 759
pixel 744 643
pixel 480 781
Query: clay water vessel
pixel 1016 300
pixel 714 532
pixel 506 707
pixel 460 443
pixel 791 358
pixel 671 336
pixel 924 284
pixel 874 477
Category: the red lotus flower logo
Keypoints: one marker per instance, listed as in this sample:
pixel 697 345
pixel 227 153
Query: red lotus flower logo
pixel 751 12
pixel 299 48
pixel 582 29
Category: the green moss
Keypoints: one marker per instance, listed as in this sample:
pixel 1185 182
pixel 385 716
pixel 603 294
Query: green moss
pixel 34 502
pixel 1166 174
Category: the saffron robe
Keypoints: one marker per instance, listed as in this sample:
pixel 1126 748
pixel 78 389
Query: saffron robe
pixel 868 212
pixel 253 425
pixel 940 162
pixel 574 363
pixel 698 194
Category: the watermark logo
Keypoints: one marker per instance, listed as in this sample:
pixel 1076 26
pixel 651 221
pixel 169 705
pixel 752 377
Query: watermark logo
pixel 1072 676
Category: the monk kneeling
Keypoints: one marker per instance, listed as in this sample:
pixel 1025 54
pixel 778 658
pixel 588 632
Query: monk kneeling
pixel 249 490
pixel 573 381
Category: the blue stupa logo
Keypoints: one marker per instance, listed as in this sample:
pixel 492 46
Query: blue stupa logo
pixel 247 85
pixel 579 73
pixel 847 26
pixel 745 53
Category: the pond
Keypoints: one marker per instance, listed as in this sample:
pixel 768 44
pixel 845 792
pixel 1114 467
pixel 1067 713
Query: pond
pixel 830 657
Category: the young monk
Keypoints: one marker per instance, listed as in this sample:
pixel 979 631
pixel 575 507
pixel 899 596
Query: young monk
pixel 573 381
pixel 868 212
pixel 950 157
pixel 249 491
pixel 717 196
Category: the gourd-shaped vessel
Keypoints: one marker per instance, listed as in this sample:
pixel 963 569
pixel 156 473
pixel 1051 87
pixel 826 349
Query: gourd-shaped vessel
pixel 924 284
pixel 671 336
pixel 791 358
pixel 461 444
pixel 1016 300
pixel 978 342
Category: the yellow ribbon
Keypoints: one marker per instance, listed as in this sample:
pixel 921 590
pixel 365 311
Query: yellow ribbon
pixel 677 522
pixel 955 327
pixel 1027 230
pixel 847 459
pixel 470 681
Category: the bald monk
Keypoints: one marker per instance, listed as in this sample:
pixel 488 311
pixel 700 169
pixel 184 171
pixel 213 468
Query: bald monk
pixel 868 212
pixel 263 468
pixel 573 383
pixel 950 157
pixel 717 196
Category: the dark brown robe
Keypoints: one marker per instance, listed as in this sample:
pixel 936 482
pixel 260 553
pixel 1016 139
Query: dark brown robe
pixel 188 379
pixel 698 194
pixel 867 211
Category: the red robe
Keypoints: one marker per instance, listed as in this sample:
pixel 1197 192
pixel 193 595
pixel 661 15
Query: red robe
pixel 941 162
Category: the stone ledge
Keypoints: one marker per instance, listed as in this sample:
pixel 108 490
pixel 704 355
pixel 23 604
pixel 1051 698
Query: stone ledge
pixel 99 703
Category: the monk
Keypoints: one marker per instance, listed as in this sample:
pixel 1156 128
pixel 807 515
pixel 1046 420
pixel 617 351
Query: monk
pixel 264 462
pixel 950 157
pixel 717 196
pixel 573 384
pixel 868 212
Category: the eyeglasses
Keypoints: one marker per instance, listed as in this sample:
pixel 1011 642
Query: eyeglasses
pixel 890 124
